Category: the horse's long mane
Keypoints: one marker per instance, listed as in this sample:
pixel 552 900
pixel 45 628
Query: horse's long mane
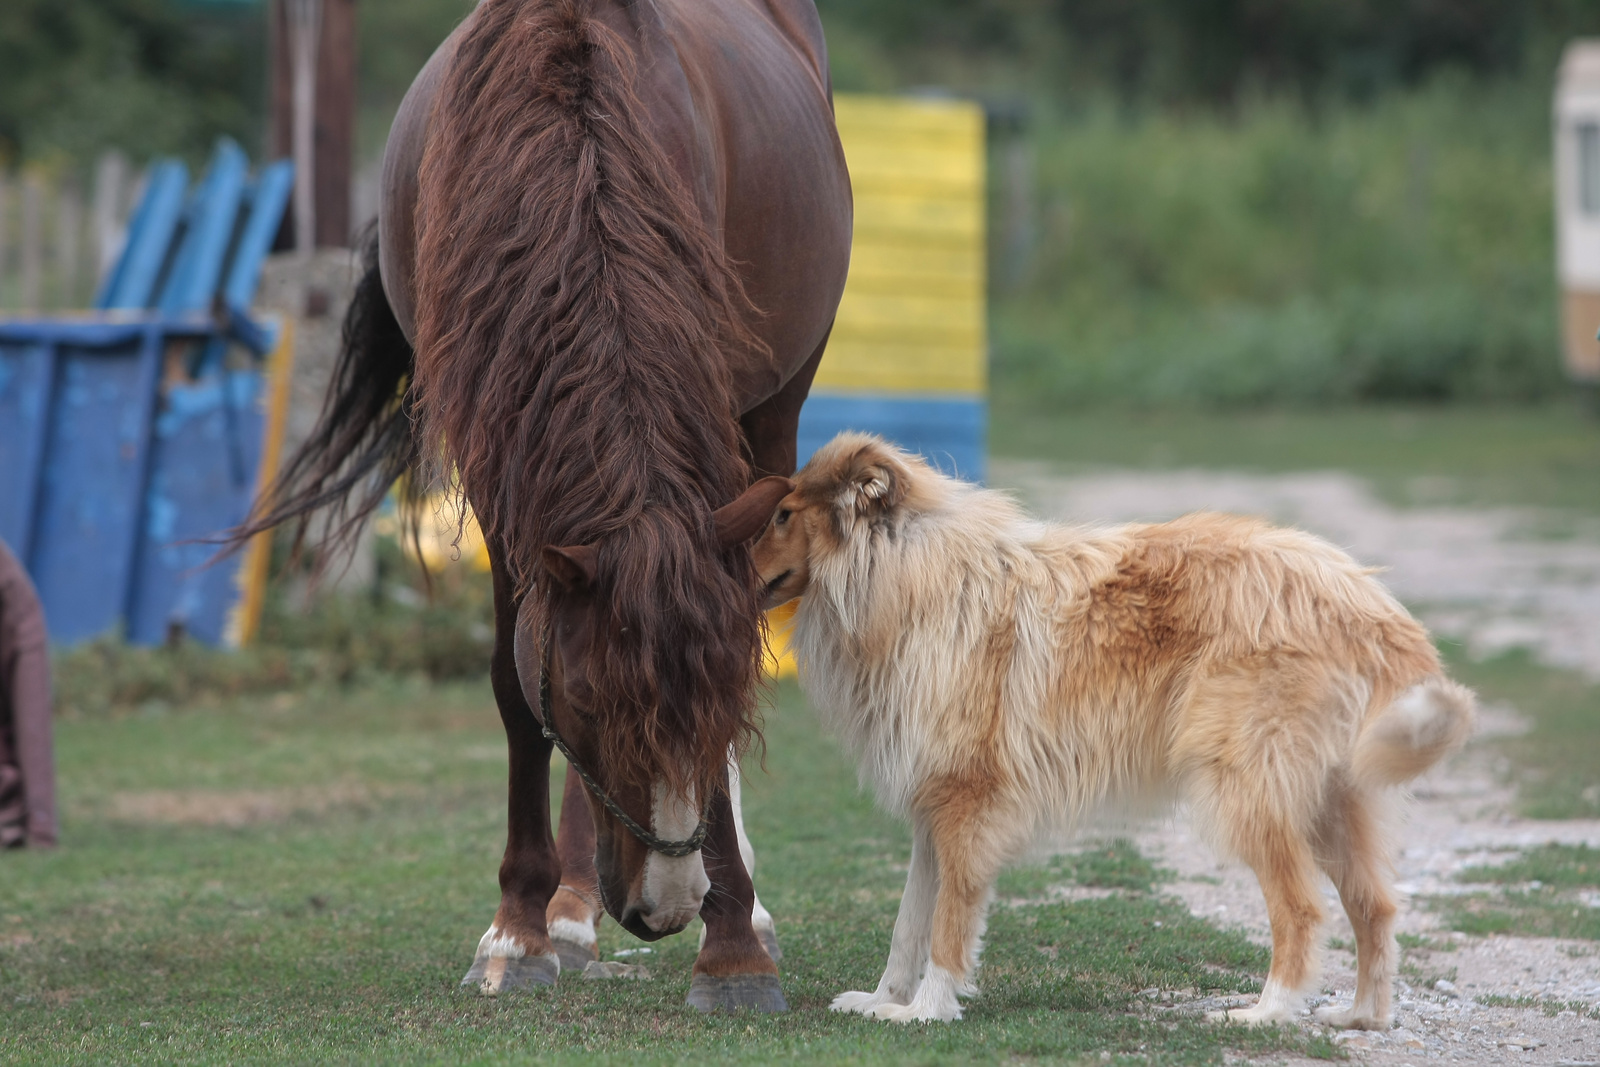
pixel 573 320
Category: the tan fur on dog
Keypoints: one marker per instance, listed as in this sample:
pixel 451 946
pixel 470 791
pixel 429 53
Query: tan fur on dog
pixel 1000 677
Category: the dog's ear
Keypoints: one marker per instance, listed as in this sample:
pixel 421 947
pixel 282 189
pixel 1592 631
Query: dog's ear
pixel 872 480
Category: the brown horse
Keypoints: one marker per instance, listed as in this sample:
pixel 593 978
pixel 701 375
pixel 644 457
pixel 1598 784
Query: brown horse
pixel 613 236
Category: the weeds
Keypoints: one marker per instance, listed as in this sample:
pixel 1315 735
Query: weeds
pixel 402 626
pixel 1396 250
pixel 1548 891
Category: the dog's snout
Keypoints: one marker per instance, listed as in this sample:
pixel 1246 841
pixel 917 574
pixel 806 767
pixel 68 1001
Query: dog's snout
pixel 772 586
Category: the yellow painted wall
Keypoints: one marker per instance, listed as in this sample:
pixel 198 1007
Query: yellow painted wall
pixel 913 318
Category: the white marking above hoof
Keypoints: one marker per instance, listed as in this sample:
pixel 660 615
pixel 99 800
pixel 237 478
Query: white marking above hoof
pixel 500 946
pixel 571 930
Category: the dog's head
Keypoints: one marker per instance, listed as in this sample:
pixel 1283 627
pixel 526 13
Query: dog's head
pixel 851 483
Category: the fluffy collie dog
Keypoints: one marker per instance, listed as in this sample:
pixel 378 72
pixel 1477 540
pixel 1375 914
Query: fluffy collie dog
pixel 1000 677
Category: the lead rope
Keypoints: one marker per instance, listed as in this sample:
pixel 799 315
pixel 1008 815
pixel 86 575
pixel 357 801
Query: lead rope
pixel 674 849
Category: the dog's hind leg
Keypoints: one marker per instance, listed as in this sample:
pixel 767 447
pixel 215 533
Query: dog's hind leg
pixel 1351 839
pixel 1284 866
pixel 1260 737
pixel 913 928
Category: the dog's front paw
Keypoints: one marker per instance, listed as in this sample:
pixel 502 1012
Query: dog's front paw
pixel 1350 1019
pixel 860 1003
pixel 916 1013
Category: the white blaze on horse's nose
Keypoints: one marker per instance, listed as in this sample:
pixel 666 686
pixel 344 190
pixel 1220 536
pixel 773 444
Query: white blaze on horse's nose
pixel 673 886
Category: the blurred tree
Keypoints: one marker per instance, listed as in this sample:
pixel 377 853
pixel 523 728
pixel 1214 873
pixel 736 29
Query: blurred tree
pixel 147 76
pixel 395 38
pixel 1214 51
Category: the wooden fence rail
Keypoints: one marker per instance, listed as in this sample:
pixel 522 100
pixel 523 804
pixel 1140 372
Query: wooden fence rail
pixel 53 254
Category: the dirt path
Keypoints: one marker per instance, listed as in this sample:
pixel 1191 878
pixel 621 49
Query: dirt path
pixel 1483 576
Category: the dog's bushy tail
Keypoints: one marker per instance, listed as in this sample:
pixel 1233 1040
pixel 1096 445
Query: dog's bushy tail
pixel 1429 721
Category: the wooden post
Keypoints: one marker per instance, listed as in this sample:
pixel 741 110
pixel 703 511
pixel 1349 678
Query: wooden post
pixel 110 175
pixel 5 248
pixel 69 241
pixel 332 145
pixel 32 241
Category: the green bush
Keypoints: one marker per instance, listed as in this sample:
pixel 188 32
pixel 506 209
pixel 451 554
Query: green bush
pixel 1397 250
pixel 402 627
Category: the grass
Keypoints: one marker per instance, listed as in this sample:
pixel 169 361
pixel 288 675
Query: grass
pixel 1549 1008
pixel 1557 762
pixel 1526 456
pixel 1552 865
pixel 305 877
pixel 1113 864
pixel 1540 895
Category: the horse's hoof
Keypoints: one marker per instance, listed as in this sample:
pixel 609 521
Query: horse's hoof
pixel 574 957
pixel 768 937
pixel 493 975
pixel 759 992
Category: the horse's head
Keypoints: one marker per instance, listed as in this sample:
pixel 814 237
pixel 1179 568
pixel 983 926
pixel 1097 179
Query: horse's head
pixel 631 641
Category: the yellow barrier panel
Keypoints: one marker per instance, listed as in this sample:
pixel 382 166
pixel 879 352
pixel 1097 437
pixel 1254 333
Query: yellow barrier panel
pixel 779 659
pixel 913 317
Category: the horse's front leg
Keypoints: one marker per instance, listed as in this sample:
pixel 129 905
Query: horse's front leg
pixel 760 917
pixel 516 951
pixel 733 969
pixel 576 908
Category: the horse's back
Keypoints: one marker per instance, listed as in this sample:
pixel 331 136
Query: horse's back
pixel 736 92
pixel 764 117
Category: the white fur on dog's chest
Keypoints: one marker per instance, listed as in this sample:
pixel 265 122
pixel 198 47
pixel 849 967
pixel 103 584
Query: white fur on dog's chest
pixel 880 715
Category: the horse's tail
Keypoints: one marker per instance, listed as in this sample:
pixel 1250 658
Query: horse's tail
pixel 362 443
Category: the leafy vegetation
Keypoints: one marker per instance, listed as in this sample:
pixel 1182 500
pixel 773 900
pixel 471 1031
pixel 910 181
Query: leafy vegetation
pixel 147 76
pixel 1302 202
pixel 1179 53
pixel 1400 250
pixel 405 626
pixel 305 876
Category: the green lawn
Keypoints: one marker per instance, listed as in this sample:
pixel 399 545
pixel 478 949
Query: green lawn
pixel 1541 456
pixel 305 877
pixel 1542 893
pixel 1556 764
pixel 304 874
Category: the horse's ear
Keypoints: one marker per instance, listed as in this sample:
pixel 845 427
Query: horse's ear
pixel 749 514
pixel 573 568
